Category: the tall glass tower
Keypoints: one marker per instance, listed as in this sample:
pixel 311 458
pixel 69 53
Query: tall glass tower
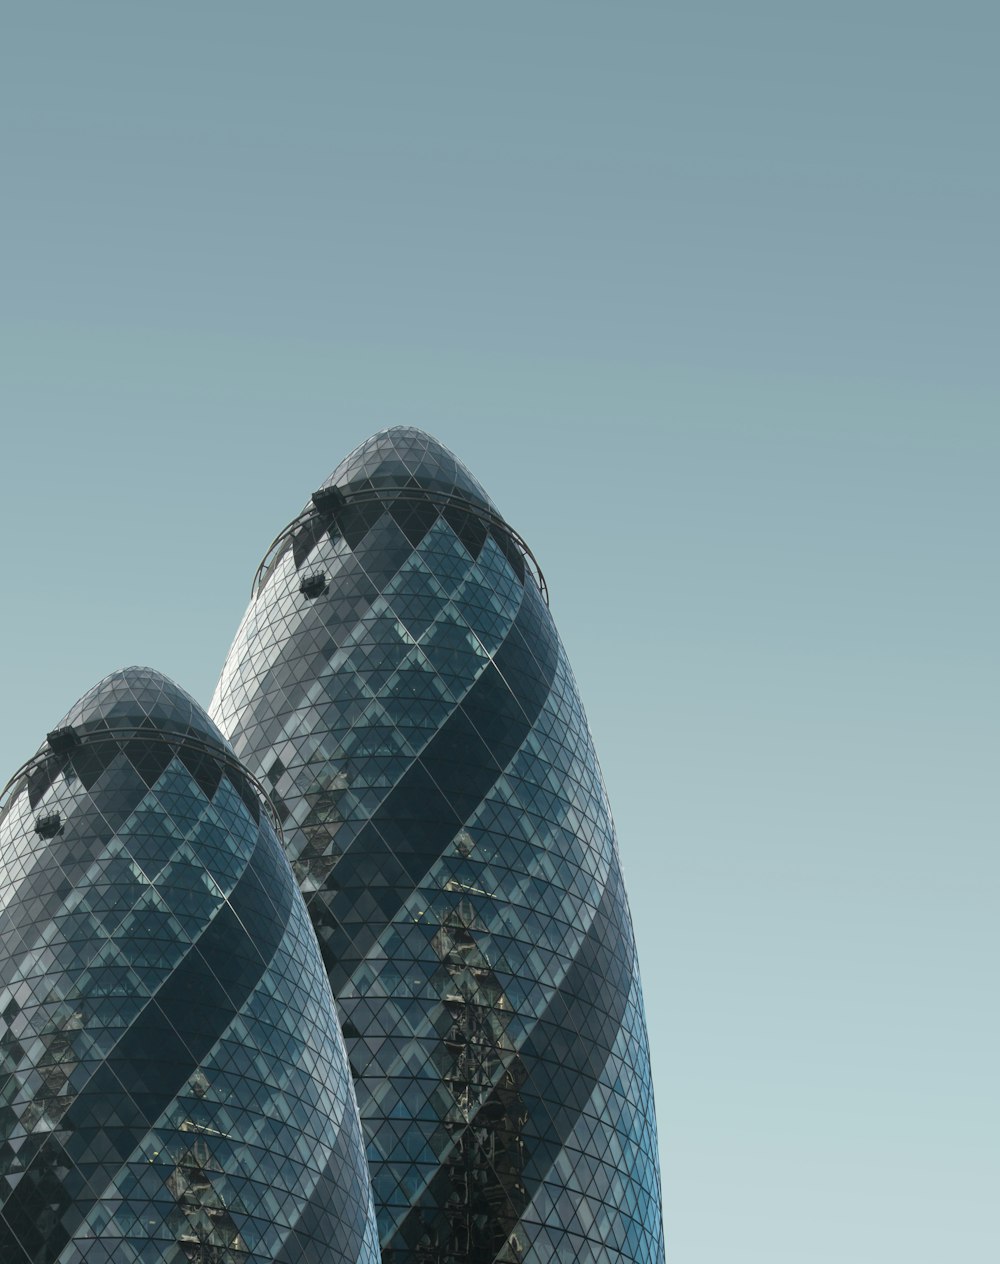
pixel 399 687
pixel 173 1084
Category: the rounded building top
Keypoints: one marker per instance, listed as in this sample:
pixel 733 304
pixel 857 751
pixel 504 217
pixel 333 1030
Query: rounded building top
pixel 133 707
pixel 142 698
pixel 404 457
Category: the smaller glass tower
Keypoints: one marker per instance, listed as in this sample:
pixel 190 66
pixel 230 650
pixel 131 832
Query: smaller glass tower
pixel 173 1083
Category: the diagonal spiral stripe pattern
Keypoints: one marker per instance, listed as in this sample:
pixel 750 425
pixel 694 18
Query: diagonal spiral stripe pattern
pixel 173 1084
pixel 398 686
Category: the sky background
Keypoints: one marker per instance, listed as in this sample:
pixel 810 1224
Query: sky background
pixel 707 297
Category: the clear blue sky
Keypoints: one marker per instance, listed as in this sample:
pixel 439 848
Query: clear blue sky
pixel 707 297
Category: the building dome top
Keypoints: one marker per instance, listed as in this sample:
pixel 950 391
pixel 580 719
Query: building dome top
pixel 403 457
pixel 140 697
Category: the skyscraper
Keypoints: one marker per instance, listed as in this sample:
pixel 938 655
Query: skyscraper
pixel 399 687
pixel 173 1085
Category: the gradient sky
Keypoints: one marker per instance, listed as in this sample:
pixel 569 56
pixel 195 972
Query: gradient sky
pixel 707 297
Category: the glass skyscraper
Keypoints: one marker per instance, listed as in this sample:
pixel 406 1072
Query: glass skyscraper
pixel 173 1084
pixel 398 686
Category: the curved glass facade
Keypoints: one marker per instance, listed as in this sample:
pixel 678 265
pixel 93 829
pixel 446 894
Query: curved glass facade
pixel 399 687
pixel 173 1085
